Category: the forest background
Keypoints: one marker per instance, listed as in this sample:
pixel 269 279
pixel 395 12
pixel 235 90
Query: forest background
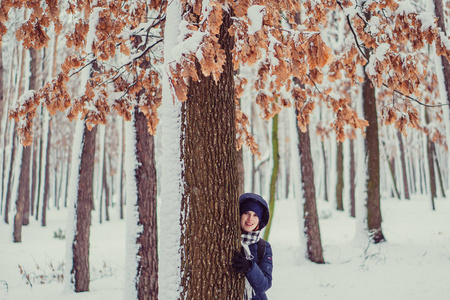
pixel 343 102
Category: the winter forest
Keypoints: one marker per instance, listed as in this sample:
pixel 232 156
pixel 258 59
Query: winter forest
pixel 128 130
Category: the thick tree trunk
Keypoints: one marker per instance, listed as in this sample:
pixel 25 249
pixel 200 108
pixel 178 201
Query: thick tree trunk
pixel 80 246
pixel 311 219
pixel 210 211
pixel 273 178
pixel 240 171
pixel 403 161
pixel 46 196
pixel 340 176
pixel 147 239
pixel 352 180
pixel 373 162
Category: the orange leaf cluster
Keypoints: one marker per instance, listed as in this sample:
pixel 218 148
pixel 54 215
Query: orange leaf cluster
pixel 345 115
pixel 242 133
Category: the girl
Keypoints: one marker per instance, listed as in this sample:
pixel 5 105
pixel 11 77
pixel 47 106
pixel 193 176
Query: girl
pixel 255 258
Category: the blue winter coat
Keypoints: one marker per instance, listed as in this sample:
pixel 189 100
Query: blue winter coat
pixel 260 274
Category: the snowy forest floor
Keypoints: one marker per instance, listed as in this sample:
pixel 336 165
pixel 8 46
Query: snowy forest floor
pixel 413 264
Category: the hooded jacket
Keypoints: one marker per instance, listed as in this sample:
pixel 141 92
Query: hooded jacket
pixel 260 273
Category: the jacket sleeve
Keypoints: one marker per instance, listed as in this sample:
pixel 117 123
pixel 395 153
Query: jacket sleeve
pixel 260 274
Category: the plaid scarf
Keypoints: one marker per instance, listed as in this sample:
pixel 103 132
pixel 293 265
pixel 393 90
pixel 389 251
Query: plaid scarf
pixel 249 238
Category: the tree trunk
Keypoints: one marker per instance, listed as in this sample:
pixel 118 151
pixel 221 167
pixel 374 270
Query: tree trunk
pixel 122 144
pixel 438 169
pixel 273 179
pixel 325 172
pixel 46 196
pixel 80 246
pixel 240 171
pixel 311 219
pixel 403 161
pixel 33 178
pixel 9 178
pixel 146 276
pixel 439 11
pixel 373 162
pixel 25 179
pixel 352 179
pixel 39 180
pixel 24 191
pixel 209 206
pixel 340 176
pixel 391 165
pixel 66 184
pixel 105 187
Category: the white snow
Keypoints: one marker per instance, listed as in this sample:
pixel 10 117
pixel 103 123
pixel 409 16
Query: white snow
pixel 255 14
pixel 413 264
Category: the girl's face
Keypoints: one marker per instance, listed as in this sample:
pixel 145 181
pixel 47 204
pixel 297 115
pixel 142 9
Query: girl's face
pixel 249 221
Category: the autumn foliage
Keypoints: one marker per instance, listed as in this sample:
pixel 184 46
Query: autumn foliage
pixel 286 41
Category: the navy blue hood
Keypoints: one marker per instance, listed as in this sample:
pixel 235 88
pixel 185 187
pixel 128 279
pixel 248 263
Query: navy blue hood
pixel 260 201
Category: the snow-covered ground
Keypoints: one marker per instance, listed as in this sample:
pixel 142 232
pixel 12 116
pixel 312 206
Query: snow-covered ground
pixel 413 264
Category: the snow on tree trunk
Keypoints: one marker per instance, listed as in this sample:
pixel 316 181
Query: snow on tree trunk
pixel 296 191
pixel 171 184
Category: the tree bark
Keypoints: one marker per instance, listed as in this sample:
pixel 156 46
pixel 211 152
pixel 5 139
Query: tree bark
pixel 24 191
pixel 439 11
pixel 209 205
pixel 11 166
pixel 438 169
pixel 403 161
pixel 373 162
pixel 273 178
pixel 325 172
pixel 105 187
pixel 80 246
pixel 240 171
pixel 352 180
pixel 121 201
pixel 145 176
pixel 311 219
pixel 46 196
pixel 340 176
